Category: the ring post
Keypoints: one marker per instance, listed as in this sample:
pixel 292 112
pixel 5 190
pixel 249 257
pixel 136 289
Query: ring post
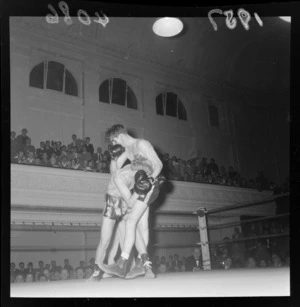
pixel 201 212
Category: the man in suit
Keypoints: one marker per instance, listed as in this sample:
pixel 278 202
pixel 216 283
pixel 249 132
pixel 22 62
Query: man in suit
pixel 194 262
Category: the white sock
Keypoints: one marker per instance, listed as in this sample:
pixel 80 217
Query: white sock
pixel 125 255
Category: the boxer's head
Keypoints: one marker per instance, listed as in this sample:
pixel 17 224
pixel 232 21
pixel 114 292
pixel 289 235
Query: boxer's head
pixel 113 133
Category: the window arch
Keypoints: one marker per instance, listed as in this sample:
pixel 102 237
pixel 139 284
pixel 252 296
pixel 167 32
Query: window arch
pixel 54 76
pixel 117 91
pixel 168 103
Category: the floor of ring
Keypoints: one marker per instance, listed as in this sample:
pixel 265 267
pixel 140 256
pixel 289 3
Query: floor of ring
pixel 215 283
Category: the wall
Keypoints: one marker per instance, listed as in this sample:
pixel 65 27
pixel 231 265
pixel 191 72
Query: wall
pixel 51 115
pixel 56 213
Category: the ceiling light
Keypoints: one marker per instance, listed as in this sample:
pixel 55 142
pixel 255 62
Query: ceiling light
pixel 286 18
pixel 167 26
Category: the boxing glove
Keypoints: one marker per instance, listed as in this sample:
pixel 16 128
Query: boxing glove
pixel 115 151
pixel 142 183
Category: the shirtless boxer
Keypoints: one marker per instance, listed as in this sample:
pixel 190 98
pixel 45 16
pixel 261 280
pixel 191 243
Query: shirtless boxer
pixel 146 191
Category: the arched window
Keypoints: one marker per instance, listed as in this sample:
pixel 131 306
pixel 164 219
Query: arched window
pixel 53 76
pixel 168 103
pixel 118 92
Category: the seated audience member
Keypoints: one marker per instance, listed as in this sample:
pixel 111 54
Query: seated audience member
pixel 58 148
pixel 28 147
pixel 237 255
pixel 162 265
pixel 97 157
pixel 155 264
pixel 251 263
pixel 202 164
pixel 48 149
pixel 19 278
pixel 74 154
pixel 30 158
pixel 276 261
pixel 13 145
pixel 80 272
pixel 177 264
pixel 53 266
pixel 42 278
pixel 69 164
pixel 56 275
pixel 13 268
pixel 85 155
pixel 53 161
pixel 77 164
pixel 170 264
pixel 21 268
pixel 89 146
pixel 21 139
pixel 29 268
pixel 40 151
pixel 67 265
pixel 76 143
pixel 212 166
pixel 226 260
pixel 194 262
pixel 20 158
pixel 88 272
pixel 47 266
pixel 47 273
pixel 262 264
pixel 65 274
pixel 63 163
pixel 183 262
pixel 91 166
pixel 40 269
pixel 189 169
pixel 85 165
pixel 231 175
pixel 29 277
pixel 262 253
pixel 64 152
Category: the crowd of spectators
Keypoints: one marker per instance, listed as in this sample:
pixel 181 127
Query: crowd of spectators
pixel 81 155
pixel 47 272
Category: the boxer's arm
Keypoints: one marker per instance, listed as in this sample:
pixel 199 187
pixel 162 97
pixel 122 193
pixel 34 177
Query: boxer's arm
pixel 121 160
pixel 123 188
pixel 113 167
pixel 149 153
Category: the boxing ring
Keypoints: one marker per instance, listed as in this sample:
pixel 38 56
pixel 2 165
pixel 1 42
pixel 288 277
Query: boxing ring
pixel 233 282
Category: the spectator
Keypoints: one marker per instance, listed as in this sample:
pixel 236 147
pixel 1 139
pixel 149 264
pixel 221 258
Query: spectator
pixel 30 159
pixel 67 265
pixel 212 166
pixel 45 161
pixel 53 161
pixel 47 266
pixel 74 154
pixel 89 146
pixel 40 151
pixel 76 143
pixel 251 263
pixel 65 275
pixel 189 169
pixel 97 157
pixel 56 275
pixel 261 181
pixel 202 164
pixel 194 262
pixel 13 144
pixel 85 155
pixel 46 272
pixel 19 278
pixel 28 147
pixel 88 272
pixel 276 261
pixel 13 268
pixel 63 163
pixel 155 264
pixel 231 176
pixel 163 265
pixel 170 264
pixel 177 264
pixel 29 268
pixel 80 272
pixel 183 261
pixel 42 278
pixel 53 266
pixel 58 148
pixel 76 164
pixel 40 269
pixel 29 277
pixel 48 149
pixel 20 159
pixel 64 153
pixel 21 139
pixel 21 268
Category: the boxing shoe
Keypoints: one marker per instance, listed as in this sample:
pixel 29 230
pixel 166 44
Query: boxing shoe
pixel 118 269
pixel 137 270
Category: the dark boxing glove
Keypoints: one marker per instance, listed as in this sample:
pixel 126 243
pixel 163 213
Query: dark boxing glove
pixel 115 151
pixel 142 183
